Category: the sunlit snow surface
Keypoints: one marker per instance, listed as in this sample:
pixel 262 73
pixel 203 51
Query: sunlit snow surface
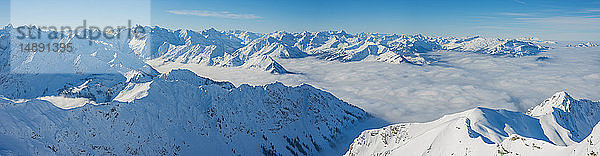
pixel 460 81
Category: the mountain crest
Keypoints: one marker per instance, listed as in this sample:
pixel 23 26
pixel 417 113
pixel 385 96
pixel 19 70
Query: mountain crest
pixel 560 123
pixel 560 100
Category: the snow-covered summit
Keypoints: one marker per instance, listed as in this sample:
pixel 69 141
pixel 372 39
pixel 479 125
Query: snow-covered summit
pixel 561 101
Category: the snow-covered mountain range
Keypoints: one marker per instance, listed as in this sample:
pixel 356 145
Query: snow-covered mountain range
pixel 240 48
pixel 583 45
pixel 560 125
pixel 172 113
pixel 260 51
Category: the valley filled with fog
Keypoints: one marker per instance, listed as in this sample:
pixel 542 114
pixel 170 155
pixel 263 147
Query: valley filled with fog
pixel 459 81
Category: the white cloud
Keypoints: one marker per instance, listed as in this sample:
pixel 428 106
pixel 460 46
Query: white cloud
pixel 593 10
pixel 589 11
pixel 569 26
pixel 520 2
pixel 221 14
pixel 585 21
pixel 515 14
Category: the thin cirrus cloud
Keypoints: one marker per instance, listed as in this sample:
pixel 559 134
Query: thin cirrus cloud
pixel 515 14
pixel 593 10
pixel 561 24
pixel 583 21
pixel 589 11
pixel 219 14
pixel 520 2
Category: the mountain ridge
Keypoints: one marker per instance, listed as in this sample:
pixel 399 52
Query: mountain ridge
pixel 179 112
pixel 485 131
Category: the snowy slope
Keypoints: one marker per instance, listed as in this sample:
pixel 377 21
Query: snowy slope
pixel 88 56
pixel 4 47
pixel 547 128
pixel 517 145
pixel 458 134
pixel 96 87
pixel 178 113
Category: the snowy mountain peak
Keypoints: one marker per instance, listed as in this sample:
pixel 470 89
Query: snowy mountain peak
pixel 571 119
pixel 266 63
pixel 213 30
pixel 560 100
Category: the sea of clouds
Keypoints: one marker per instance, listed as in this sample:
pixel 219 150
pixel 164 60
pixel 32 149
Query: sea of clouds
pixel 460 81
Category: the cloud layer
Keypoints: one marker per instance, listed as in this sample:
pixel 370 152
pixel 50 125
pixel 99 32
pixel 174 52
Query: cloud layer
pixel 408 93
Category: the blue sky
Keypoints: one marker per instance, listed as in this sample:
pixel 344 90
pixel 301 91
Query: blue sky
pixel 4 11
pixel 546 19
pixel 73 12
